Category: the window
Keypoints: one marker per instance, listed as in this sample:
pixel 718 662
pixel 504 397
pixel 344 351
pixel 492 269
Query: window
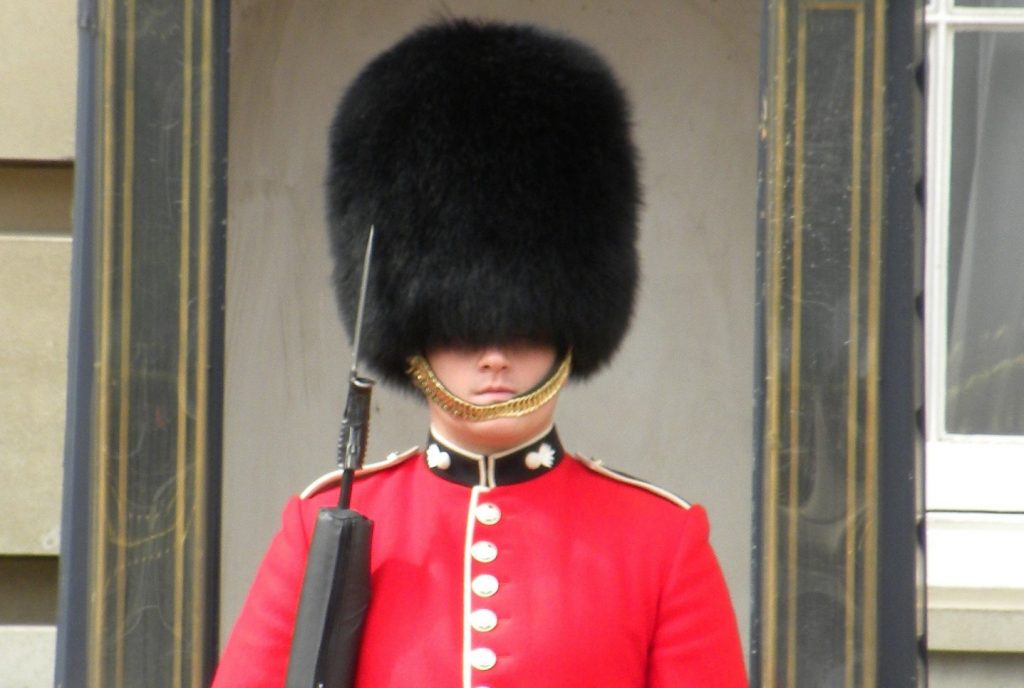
pixel 975 320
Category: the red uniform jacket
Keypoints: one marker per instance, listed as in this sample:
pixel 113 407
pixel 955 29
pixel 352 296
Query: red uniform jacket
pixel 531 570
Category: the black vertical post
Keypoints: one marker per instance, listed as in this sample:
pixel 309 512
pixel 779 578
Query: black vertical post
pixel 902 650
pixel 74 542
pixel 836 557
pixel 140 538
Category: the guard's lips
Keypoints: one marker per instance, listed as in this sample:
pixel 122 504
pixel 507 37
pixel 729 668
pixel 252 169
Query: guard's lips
pixel 492 393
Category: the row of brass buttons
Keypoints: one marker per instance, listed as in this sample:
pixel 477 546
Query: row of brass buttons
pixel 484 585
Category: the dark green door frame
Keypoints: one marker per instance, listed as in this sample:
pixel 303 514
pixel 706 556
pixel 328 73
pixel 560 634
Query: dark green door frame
pixel 837 559
pixel 141 519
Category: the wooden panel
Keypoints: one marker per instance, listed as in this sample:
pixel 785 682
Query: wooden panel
pixel 836 298
pixel 144 430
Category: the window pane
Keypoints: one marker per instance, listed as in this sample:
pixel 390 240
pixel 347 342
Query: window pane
pixel 985 369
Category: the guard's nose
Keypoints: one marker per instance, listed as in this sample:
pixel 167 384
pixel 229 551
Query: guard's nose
pixel 493 358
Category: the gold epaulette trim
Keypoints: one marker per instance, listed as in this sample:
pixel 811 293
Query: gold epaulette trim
pixel 599 468
pixel 334 477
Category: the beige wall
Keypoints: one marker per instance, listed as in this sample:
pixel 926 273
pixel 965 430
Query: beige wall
pixel 38 44
pixel 37 114
pixel 34 284
pixel 35 257
pixel 35 263
pixel 976 669
pixel 676 405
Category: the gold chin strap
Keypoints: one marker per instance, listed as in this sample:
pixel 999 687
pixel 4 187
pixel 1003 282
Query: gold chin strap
pixel 423 377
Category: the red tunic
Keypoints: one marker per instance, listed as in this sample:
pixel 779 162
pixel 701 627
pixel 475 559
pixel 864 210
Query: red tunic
pixel 574 577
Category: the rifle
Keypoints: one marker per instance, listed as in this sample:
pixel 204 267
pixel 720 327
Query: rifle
pixel 336 585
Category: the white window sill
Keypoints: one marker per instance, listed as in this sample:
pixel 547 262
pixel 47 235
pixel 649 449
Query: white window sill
pixel 975 582
pixel 975 473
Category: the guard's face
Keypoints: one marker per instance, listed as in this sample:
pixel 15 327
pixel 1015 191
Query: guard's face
pixel 492 374
pixel 488 375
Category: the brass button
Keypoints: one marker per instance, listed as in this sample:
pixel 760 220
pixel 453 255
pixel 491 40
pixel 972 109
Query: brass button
pixel 482 658
pixel 487 513
pixel 483 551
pixel 484 585
pixel 483 620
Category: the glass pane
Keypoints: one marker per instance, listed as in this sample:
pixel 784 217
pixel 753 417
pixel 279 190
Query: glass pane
pixel 985 369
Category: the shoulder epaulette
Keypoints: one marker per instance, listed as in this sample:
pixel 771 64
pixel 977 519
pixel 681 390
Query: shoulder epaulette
pixel 334 477
pixel 599 468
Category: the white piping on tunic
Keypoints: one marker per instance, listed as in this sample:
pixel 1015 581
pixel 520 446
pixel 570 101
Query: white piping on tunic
pixel 600 469
pixel 481 466
pixel 329 479
pixel 467 598
pixel 491 482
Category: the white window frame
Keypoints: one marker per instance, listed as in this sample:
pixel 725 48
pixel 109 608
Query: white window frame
pixel 974 489
pixel 964 472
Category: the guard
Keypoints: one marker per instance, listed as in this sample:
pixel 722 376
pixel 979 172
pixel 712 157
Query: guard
pixel 496 164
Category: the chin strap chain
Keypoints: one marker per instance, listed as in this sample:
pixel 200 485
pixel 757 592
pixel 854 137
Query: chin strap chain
pixel 423 377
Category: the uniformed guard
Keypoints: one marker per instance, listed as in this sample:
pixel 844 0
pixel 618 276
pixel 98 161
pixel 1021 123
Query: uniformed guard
pixel 496 163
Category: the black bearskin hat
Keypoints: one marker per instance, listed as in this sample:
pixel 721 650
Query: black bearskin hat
pixel 495 162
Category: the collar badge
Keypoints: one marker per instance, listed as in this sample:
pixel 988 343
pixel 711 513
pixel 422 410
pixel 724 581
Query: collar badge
pixel 437 458
pixel 544 456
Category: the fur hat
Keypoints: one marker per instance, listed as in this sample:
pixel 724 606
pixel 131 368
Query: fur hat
pixel 496 164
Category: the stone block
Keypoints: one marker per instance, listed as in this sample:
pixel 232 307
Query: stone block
pixel 34 302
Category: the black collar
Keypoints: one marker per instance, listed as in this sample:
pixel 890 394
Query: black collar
pixel 516 465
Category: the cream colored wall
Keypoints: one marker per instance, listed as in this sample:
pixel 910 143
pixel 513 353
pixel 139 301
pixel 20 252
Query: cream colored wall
pixel 37 112
pixel 676 405
pixel 35 258
pixel 35 263
pixel 34 284
pixel 38 43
